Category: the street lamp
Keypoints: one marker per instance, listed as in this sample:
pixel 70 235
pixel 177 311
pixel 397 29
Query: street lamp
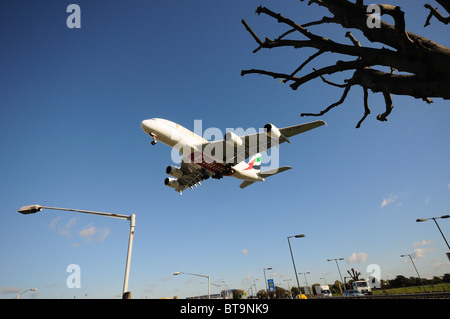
pixel 336 259
pixel 293 262
pixel 289 288
pixel 31 209
pixel 20 294
pixel 265 279
pixel 254 284
pixel 434 218
pixel 204 276
pixel 220 288
pixel 305 273
pixel 416 270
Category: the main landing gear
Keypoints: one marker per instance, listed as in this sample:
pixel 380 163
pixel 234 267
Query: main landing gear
pixel 228 171
pixel 154 136
pixel 217 176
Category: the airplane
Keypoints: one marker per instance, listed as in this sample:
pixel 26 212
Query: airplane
pixel 202 159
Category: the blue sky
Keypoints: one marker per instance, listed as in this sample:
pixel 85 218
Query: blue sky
pixel 71 105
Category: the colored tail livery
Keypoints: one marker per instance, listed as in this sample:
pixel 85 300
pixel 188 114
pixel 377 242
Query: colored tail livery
pixel 254 163
pixel 202 159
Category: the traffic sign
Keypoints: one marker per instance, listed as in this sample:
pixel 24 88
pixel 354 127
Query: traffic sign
pixel 270 284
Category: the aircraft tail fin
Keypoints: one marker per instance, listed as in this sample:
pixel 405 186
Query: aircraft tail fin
pixel 254 163
pixel 266 174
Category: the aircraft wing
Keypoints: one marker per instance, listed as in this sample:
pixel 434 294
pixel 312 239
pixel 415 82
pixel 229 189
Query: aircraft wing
pixel 193 174
pixel 229 152
pixel 301 128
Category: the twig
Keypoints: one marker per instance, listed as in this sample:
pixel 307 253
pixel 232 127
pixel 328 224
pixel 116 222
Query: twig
pixel 437 14
pixel 312 57
pixel 332 83
pixel 344 95
pixel 389 107
pixel 366 107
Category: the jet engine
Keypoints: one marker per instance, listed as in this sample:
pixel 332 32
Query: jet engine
pixel 171 182
pixel 272 131
pixel 174 171
pixel 233 139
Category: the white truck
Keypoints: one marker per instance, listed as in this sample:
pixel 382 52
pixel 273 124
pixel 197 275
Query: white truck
pixel 323 291
pixel 362 286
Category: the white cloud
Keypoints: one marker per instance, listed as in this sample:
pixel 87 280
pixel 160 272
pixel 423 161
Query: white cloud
pixel 422 243
pixel 62 230
pixel 386 201
pixel 245 251
pixel 247 279
pixel 189 281
pixel 440 265
pixel 91 232
pixel 357 258
pixel 53 223
pixel 71 222
pixel 166 278
pixel 10 290
pixel 420 252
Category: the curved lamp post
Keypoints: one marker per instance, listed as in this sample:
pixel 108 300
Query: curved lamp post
pixel 336 259
pixel 31 209
pixel 415 269
pixel 20 294
pixel 204 276
pixel 293 262
pixel 434 218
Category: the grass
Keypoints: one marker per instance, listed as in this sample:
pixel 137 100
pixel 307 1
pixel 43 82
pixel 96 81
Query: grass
pixel 413 289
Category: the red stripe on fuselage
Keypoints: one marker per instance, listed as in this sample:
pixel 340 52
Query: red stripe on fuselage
pixel 208 163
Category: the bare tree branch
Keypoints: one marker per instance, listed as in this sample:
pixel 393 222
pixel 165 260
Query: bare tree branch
pixel 388 100
pixel 272 74
pixel 344 95
pixel 424 65
pixel 366 107
pixel 312 57
pixel 434 12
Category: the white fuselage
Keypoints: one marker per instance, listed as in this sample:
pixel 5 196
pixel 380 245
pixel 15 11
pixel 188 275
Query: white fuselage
pixel 190 145
pixel 172 134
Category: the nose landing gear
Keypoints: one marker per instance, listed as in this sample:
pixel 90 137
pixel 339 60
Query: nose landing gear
pixel 154 136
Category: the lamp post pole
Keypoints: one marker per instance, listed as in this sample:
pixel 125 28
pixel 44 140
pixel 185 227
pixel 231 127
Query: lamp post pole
pixel 254 284
pixel 20 294
pixel 204 276
pixel 293 262
pixel 265 279
pixel 437 225
pixel 31 209
pixel 336 259
pixel 306 280
pixel 415 269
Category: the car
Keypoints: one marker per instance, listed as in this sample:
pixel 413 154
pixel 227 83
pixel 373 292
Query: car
pixel 352 293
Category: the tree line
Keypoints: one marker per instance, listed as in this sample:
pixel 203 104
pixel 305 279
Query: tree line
pixel 337 287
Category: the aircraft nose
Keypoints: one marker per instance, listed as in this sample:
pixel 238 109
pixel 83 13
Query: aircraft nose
pixel 145 125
